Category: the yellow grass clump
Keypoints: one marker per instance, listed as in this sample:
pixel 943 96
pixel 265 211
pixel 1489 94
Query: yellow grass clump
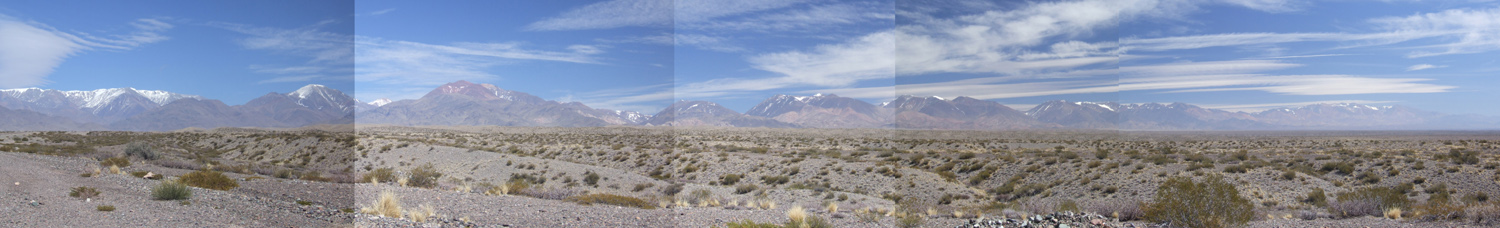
pixel 387 205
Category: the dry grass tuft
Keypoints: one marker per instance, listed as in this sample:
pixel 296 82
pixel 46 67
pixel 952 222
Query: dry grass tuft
pixel 1393 213
pixel 387 205
pixel 115 169
pixel 421 213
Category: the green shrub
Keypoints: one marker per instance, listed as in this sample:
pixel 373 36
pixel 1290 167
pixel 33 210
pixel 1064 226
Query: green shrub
pixel 591 179
pixel 1476 197
pixel 115 161
pixel 209 180
pixel 142 150
pixel 729 179
pixel 84 192
pixel 424 176
pixel 750 224
pixel 1341 167
pixel 1212 203
pixel 909 221
pixel 1068 205
pixel 1316 198
pixel 1369 201
pixel 171 190
pixel 671 190
pixel 775 180
pixel 611 199
pixel 385 175
pixel 105 208
pixel 745 188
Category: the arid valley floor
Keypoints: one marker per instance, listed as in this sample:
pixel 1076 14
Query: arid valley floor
pixel 711 177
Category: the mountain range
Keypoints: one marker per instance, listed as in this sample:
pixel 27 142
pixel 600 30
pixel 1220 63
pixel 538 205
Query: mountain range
pixel 467 103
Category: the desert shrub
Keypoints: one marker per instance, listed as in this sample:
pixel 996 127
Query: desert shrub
pixel 1459 156
pixel 1476 197
pixel 142 150
pixel 611 199
pixel 385 175
pixel 551 193
pixel 1068 205
pixel 699 195
pixel 1487 215
pixel 424 176
pixel 1212 203
pixel 115 161
pixel 1340 167
pixel 1316 198
pixel 909 221
pixel 1368 201
pixel 745 188
pixel 729 179
pixel 982 176
pixel 591 179
pixel 105 208
pixel 799 218
pixel 171 190
pixel 642 187
pixel 1119 209
pixel 671 190
pixel 750 224
pixel 775 180
pixel 83 192
pixel 209 180
pixel 1438 211
pixel 1368 177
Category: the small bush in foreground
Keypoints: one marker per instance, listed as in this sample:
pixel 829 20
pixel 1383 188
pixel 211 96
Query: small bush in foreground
pixel 1368 201
pixel 209 180
pixel 424 176
pixel 1212 203
pixel 611 199
pixel 171 190
pixel 105 208
pixel 84 192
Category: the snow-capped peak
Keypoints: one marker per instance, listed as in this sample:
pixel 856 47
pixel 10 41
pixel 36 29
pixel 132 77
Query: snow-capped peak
pixel 310 90
pixel 99 97
pixel 939 98
pixel 381 102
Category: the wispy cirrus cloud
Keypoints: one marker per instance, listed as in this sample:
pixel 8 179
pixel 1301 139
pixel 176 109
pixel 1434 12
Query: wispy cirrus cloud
pixel 382 12
pixel 1267 106
pixel 406 64
pixel 30 51
pixel 330 55
pixel 1422 67
pixel 651 13
pixel 1456 31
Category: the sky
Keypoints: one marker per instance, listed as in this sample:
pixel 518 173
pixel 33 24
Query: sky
pixel 226 50
pixel 641 55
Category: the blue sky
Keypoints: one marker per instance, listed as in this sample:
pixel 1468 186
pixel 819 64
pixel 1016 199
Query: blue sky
pixel 640 55
pixel 226 50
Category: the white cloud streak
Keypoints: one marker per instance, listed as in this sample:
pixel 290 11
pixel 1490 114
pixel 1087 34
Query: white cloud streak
pixel 31 51
pixel 1460 31
pixel 651 13
pixel 1422 67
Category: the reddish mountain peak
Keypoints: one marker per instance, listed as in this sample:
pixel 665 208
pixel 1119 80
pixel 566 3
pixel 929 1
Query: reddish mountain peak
pixel 470 89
